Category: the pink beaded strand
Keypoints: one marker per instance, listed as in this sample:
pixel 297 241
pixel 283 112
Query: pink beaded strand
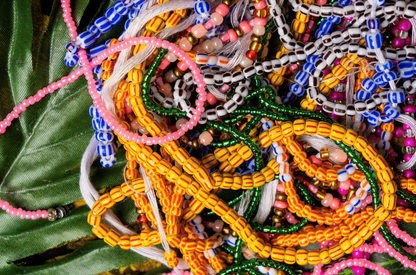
pixel 338 267
pixel 395 230
pixel 66 7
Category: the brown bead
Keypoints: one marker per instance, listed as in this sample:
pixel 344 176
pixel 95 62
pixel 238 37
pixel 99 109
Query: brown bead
pixel 238 31
pixel 256 38
pixel 260 13
pixel 255 46
pixel 228 3
pixel 178 73
pixel 279 212
pixel 324 154
pixel 139 211
pixel 276 219
pixel 326 184
pixel 191 38
pixel 143 226
pixel 130 117
pixel 320 195
pixel 185 140
pixel 238 68
pixel 196 144
pixel 212 131
pixel 351 193
pixel 316 183
pixel 233 233
pixel 226 230
pixel 254 1
pixel 334 185
pixel 281 197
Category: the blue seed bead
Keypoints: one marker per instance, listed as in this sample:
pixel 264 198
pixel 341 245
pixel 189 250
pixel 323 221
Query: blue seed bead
pixel 362 95
pixel 266 82
pixel 312 58
pixel 128 3
pixel 96 50
pixel 297 89
pixel 71 59
pixel 113 16
pixel 390 76
pixel 326 26
pixel 302 78
pixel 334 19
pixel 387 66
pixel 94 30
pixel 201 19
pixel 105 150
pixel 120 8
pixel 138 6
pixel 108 161
pixel 104 136
pixel 378 78
pixel 70 47
pixel 373 24
pixel 374 118
pixel 239 169
pixel 268 125
pixel 86 39
pixel 103 126
pixel 98 69
pixel 319 34
pixel 414 65
pixel 391 112
pixel 384 118
pixel 202 7
pixel 396 97
pixel 94 112
pixel 379 3
pixel 133 13
pixel 384 144
pixel 138 2
pixel 369 85
pixel 365 114
pixel 103 24
pixel 251 164
pixel 406 69
pixel 127 24
pixel 308 67
pixel 344 2
pixel 374 39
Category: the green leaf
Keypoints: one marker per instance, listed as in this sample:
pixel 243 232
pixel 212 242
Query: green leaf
pixel 92 258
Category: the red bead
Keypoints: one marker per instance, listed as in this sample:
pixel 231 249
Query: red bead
pixel 252 55
pixel 141 219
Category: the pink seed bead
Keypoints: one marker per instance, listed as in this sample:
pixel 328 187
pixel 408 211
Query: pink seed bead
pixel 245 27
pixel 198 31
pixel 182 66
pixel 217 18
pixel 209 24
pixel 345 184
pixel 164 64
pixel 225 37
pixel 222 10
pixel 280 204
pixel 335 203
pixel 315 160
pixel 233 35
pixel 260 5
pixel 313 188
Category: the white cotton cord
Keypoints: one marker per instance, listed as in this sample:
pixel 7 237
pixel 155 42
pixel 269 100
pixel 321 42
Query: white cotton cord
pixel 240 53
pixel 318 142
pixel 413 22
pixel 237 13
pixel 91 195
pixel 405 119
pixel 268 194
pixel 153 202
pixel 349 94
pixel 214 91
pixel 244 203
